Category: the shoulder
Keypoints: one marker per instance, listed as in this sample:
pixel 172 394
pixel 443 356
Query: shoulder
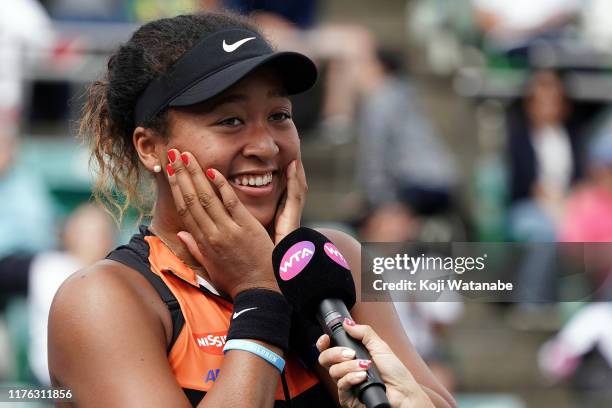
pixel 347 244
pixel 100 284
pixel 106 298
pixel 104 291
pixel 104 335
pixel 339 237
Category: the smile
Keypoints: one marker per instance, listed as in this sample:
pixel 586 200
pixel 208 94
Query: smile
pixel 254 185
pixel 257 180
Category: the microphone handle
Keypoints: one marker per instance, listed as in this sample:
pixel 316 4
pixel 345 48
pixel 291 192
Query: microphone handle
pixel 332 313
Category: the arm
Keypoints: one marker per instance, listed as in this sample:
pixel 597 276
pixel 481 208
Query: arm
pixel 389 328
pixel 109 347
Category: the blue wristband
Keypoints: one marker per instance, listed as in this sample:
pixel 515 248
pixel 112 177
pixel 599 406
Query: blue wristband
pixel 260 351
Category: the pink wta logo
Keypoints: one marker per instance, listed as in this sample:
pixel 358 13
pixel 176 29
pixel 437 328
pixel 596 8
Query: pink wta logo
pixel 335 255
pixel 295 259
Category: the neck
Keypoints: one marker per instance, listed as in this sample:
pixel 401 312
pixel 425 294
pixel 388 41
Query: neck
pixel 166 224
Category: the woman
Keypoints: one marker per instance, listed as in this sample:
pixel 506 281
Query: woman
pixel 204 97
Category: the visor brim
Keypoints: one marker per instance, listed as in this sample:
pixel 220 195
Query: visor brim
pixel 297 72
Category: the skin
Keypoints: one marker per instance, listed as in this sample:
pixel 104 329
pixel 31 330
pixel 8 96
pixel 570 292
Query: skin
pixel 195 215
pixel 402 389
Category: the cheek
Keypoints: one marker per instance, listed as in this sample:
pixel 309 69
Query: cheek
pixel 213 157
pixel 289 148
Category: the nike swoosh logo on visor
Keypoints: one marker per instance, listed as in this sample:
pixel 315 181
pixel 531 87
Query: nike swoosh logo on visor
pixel 236 314
pixel 233 47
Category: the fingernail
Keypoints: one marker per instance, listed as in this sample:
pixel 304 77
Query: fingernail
pixel 210 173
pixel 185 159
pixel 348 353
pixel 348 322
pixel 365 363
pixel 319 341
pixel 171 156
pixel 169 169
pixel 361 374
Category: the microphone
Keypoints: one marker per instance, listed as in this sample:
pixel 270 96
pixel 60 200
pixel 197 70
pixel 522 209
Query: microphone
pixel 316 279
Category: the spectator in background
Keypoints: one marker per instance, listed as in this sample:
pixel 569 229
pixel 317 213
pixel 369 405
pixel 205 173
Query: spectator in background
pixel 26 216
pixel 588 214
pixel 25 209
pixel 401 159
pixel 88 235
pixel 544 158
pixel 512 26
pixel 544 161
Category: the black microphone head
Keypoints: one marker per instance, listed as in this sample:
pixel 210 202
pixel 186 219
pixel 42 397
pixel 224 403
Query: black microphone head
pixel 309 268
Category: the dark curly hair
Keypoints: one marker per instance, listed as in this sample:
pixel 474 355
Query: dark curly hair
pixel 107 122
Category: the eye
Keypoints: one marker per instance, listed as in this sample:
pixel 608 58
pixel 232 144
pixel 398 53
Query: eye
pixel 280 117
pixel 230 122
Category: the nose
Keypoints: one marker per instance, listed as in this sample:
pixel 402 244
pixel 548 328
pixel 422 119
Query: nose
pixel 260 144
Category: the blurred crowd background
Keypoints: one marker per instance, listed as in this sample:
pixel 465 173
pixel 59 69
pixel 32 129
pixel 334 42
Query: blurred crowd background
pixel 433 120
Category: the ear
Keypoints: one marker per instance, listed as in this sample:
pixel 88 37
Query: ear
pixel 151 147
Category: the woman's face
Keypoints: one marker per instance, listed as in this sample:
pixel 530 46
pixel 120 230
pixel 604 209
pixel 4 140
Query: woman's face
pixel 547 100
pixel 247 134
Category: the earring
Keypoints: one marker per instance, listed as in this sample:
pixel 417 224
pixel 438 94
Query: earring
pixel 157 168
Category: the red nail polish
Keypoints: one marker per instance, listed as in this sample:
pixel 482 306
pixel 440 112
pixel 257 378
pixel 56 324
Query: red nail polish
pixel 185 158
pixel 210 173
pixel 171 156
pixel 169 169
pixel 365 363
pixel 348 322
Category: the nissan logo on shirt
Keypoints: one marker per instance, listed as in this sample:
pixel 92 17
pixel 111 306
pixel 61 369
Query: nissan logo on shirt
pixel 211 343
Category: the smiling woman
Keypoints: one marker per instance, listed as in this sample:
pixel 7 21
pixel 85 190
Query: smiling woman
pixel 189 310
pixel 247 134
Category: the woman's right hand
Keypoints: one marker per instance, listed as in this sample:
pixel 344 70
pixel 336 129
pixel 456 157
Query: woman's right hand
pixel 402 389
pixel 221 233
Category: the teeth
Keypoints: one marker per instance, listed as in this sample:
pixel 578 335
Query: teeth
pixel 254 180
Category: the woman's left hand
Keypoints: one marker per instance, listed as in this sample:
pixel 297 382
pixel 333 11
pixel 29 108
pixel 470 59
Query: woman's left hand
pixel 289 211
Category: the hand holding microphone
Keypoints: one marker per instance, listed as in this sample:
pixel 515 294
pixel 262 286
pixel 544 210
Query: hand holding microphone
pixel 402 389
pixel 315 278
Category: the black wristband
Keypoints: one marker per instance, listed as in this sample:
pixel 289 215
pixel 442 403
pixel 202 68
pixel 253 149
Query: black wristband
pixel 261 314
